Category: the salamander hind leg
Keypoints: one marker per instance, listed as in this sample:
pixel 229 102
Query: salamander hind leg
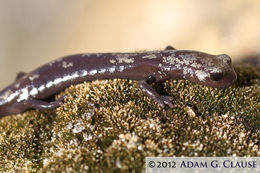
pixel 150 92
pixel 43 105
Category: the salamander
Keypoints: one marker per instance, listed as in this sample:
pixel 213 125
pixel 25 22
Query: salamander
pixel 30 90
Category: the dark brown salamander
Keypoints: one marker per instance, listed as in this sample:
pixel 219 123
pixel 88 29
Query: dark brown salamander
pixel 30 90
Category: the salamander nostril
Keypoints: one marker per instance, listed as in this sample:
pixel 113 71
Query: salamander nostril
pixel 216 76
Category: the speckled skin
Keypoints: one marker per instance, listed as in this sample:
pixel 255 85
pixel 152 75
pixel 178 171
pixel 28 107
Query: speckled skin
pixel 30 90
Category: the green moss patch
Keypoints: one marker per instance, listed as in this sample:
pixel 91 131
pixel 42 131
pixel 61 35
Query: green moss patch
pixel 110 125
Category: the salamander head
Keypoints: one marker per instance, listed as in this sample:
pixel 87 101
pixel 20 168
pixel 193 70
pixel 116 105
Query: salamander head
pixel 215 71
pixel 210 70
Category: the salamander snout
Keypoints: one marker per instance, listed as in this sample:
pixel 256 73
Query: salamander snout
pixel 225 59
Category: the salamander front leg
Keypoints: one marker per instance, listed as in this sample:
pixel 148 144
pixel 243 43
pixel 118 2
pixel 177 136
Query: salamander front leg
pixel 150 92
pixel 43 105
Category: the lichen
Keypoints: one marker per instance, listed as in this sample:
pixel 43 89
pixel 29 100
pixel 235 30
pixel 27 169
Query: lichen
pixel 110 126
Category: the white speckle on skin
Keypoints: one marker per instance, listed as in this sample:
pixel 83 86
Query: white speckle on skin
pixel 75 75
pixel 66 78
pixel 151 56
pixel 172 60
pixel 92 72
pixel 49 84
pixel 121 68
pixel 215 70
pixel 57 60
pixel 187 70
pixel 125 60
pixel 17 85
pixel 41 88
pixel 201 75
pixel 159 65
pixel 182 60
pixel 34 76
pixel 178 66
pixel 162 74
pixel 34 91
pixel 67 65
pixel 102 71
pixel 167 68
pixel 112 69
pixel 206 62
pixel 190 71
pixel 223 58
pixel 196 65
pixel 8 96
pixel 112 61
pixel 84 73
pixel 57 81
pixel 189 59
pixel 24 95
pixel 122 58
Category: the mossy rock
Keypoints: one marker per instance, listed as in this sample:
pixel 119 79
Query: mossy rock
pixel 110 126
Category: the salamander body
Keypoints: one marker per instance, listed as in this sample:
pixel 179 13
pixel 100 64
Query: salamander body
pixel 31 90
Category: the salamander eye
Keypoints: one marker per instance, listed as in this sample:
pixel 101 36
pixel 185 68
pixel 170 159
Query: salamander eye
pixel 216 76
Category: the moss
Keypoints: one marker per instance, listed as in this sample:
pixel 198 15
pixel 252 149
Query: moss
pixel 110 125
